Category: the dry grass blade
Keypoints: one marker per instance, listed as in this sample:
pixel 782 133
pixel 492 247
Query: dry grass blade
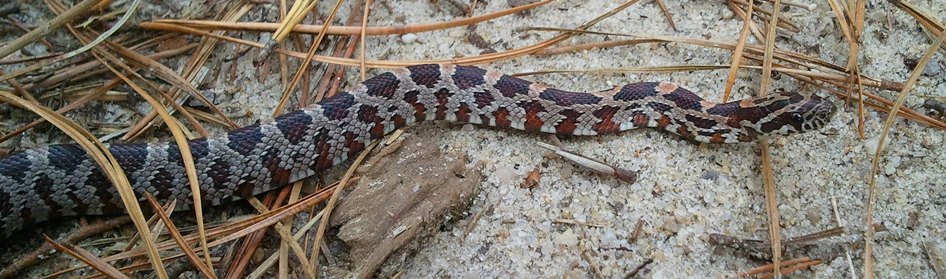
pixel 134 267
pixel 793 58
pixel 924 19
pixel 204 269
pixel 284 246
pixel 298 12
pixel 845 28
pixel 121 22
pixel 88 69
pixel 793 268
pixel 306 62
pixel 108 59
pixel 290 240
pixel 170 76
pixel 737 54
pixel 914 76
pixel 258 273
pixel 592 164
pixel 332 77
pixel 332 30
pixel 87 46
pixel 589 46
pixel 87 258
pixel 327 212
pixel 851 33
pixel 666 12
pixel 768 179
pixel 109 166
pixel 768 267
pixel 364 26
pixel 485 58
pixel 230 232
pixel 783 22
pixel 186 155
pixel 936 262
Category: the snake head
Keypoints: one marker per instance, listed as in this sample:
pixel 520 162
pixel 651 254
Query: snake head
pixel 785 113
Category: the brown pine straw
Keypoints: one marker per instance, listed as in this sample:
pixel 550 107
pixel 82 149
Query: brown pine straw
pixel 87 258
pixel 205 269
pixel 288 239
pixel 191 70
pixel 331 30
pixel 226 233
pixel 782 55
pixel 852 32
pixel 251 243
pixel 472 60
pixel 306 62
pixel 789 265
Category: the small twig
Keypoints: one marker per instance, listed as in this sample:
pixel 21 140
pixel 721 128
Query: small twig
pixel 637 231
pixel 936 261
pixel 666 12
pixel 591 262
pixel 30 58
pixel 592 164
pixel 573 222
pixel 88 258
pixel 639 267
pixel 469 227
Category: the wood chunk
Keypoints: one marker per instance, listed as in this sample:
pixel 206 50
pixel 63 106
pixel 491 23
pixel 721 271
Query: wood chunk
pixel 403 197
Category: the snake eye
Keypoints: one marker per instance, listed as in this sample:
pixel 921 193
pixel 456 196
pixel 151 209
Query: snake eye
pixel 797 117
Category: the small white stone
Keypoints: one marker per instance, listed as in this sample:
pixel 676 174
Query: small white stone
pixel 567 238
pixel 457 32
pixel 870 145
pixel 409 38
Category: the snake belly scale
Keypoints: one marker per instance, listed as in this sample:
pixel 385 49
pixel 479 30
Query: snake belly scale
pixel 61 180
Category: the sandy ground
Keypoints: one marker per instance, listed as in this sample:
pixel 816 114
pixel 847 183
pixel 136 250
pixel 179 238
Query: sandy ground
pixel 685 191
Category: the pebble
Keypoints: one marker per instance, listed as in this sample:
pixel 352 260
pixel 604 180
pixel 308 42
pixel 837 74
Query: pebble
pixel 505 173
pixel 567 238
pixel 409 38
pixel 457 32
pixel 870 145
pixel 935 67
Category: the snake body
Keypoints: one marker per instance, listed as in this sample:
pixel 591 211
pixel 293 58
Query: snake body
pixel 62 180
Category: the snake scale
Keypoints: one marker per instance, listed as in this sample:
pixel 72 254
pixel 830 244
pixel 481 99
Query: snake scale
pixel 61 180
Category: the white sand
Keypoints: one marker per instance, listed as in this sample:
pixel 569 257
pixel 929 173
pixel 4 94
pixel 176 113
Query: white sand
pixel 685 190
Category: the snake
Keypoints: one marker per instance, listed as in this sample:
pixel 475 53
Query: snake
pixel 62 180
